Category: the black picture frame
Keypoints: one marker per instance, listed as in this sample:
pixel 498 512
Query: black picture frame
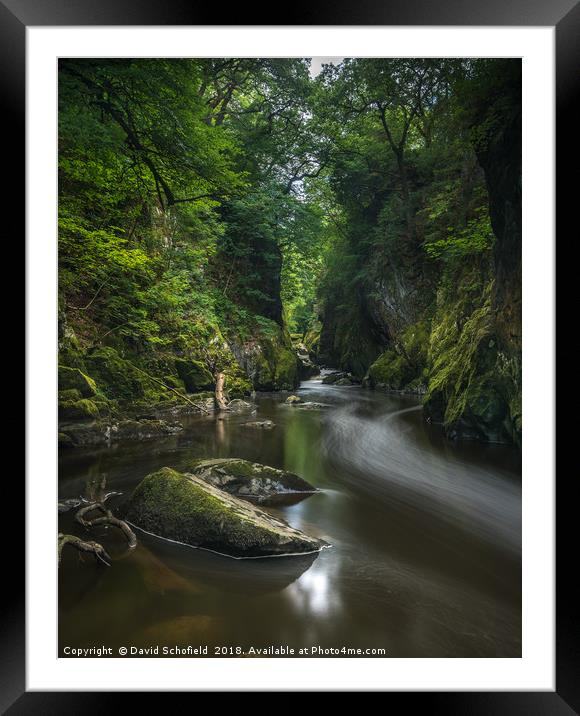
pixel 564 15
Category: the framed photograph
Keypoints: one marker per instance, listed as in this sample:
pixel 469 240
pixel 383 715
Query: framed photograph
pixel 290 354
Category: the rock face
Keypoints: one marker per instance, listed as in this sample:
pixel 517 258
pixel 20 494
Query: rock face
pixel 75 379
pixel 268 358
pixel 187 509
pixel 239 405
pixel 475 380
pixel 83 409
pixel 306 367
pixel 195 376
pixel 344 381
pixel 249 479
pixel 339 378
pixel 450 332
pixel 101 432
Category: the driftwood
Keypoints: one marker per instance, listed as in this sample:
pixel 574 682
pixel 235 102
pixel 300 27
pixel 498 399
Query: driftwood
pixel 107 518
pixel 219 391
pixel 90 547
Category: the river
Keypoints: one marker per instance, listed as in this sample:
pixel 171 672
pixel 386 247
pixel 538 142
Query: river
pixel 426 540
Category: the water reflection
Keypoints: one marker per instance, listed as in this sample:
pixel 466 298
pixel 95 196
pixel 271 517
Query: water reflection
pixel 425 557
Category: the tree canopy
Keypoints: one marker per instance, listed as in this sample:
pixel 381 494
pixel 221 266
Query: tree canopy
pixel 202 199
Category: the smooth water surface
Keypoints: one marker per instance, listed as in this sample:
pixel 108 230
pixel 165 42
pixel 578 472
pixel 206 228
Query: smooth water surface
pixel 426 539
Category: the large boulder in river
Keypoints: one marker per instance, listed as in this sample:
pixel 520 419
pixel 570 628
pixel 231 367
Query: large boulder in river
pixel 187 509
pixel 331 378
pixel 75 379
pixel 250 480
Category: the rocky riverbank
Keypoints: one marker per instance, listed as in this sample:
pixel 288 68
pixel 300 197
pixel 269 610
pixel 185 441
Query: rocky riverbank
pixel 209 507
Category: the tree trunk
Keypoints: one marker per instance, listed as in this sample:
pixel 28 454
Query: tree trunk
pixel 220 399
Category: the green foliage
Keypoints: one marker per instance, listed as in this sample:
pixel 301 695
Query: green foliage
pixel 207 207
pixel 195 375
pixel 83 409
pixel 75 379
pixel 476 237
pixel 405 366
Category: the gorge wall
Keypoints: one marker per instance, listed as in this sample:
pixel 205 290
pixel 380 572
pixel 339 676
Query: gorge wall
pixel 433 307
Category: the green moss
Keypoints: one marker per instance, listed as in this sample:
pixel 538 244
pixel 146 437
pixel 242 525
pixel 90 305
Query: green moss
pixel 194 375
pixel 75 379
pixel 286 369
pixel 72 357
pixel 470 390
pixel 187 502
pixel 203 395
pixel 116 377
pixel 248 479
pixel 173 382
pixel 69 394
pixel 276 364
pixel 169 504
pixel 238 386
pixel 404 367
pixel 390 371
pixel 312 338
pixel 83 409
pixel 454 344
pixel 238 468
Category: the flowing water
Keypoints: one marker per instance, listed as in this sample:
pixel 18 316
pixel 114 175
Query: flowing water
pixel 426 540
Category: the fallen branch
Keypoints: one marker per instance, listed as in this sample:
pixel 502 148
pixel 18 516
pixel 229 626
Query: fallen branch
pixel 108 518
pixel 84 308
pixel 173 390
pixel 91 547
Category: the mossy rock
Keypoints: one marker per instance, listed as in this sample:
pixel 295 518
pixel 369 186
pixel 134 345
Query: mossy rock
pixel 276 362
pixel 391 371
pixel 248 479
pixel 187 509
pixel 75 379
pixel 105 405
pixel 71 357
pixel 485 415
pixel 116 377
pixel 332 378
pixel 65 441
pixel 195 375
pixel 83 409
pixel 238 386
pixel 204 395
pixel 68 395
pixel 473 387
pixel 174 382
pixel 312 337
pixel 344 381
pixel 286 370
